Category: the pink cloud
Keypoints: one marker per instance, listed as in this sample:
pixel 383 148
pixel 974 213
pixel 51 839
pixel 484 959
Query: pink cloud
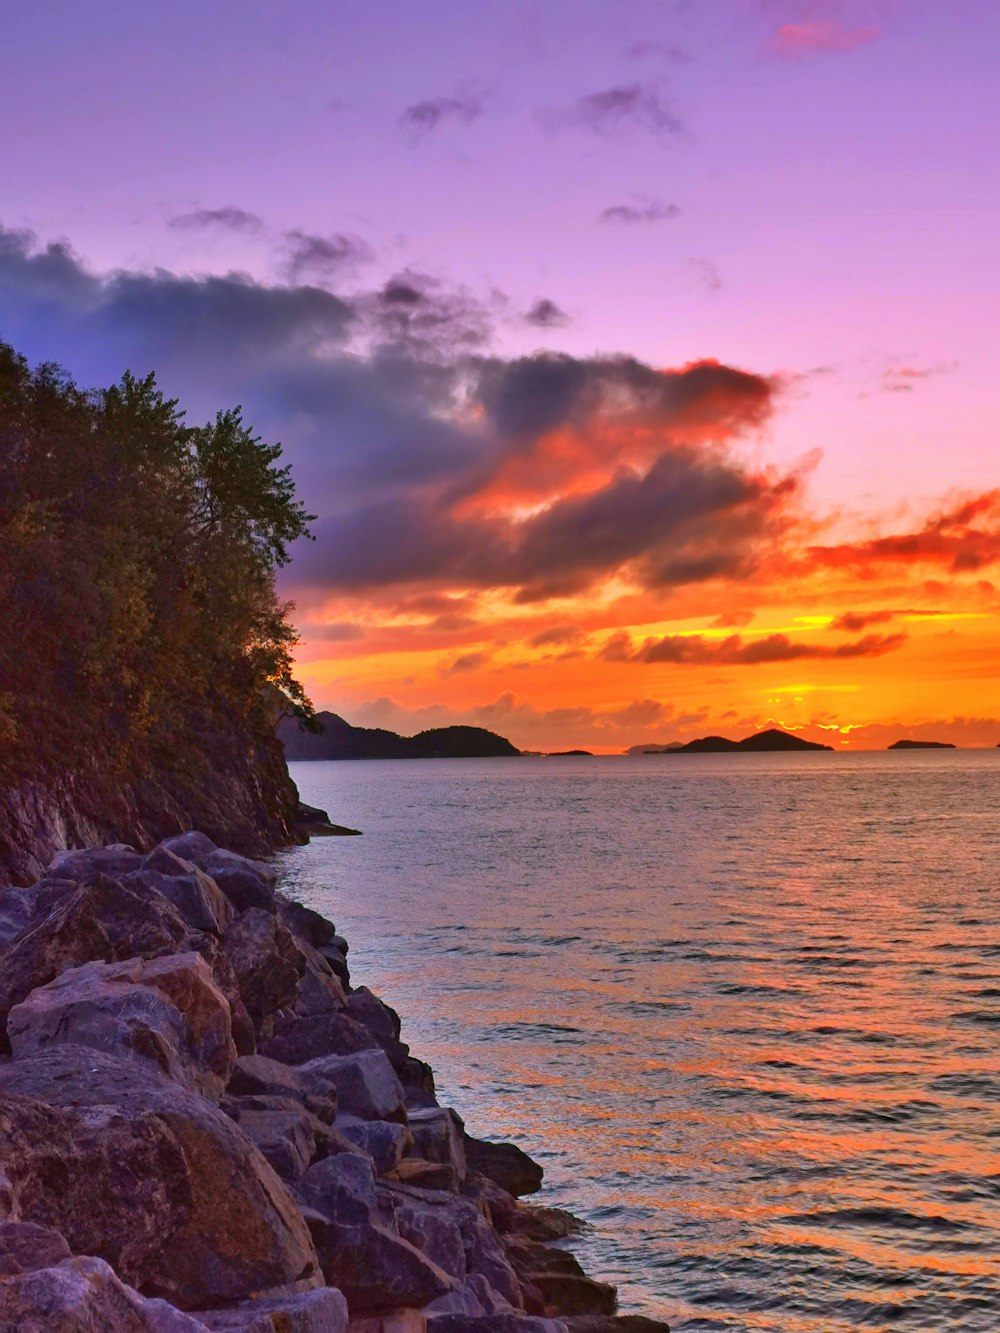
pixel 827 36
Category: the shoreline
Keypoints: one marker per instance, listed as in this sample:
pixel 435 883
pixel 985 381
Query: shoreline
pixel 242 1139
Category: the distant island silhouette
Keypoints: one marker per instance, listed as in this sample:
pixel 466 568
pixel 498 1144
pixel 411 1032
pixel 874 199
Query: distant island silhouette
pixel 921 745
pixel 763 742
pixel 337 739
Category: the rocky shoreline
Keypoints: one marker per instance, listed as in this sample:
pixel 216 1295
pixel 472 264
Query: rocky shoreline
pixel 204 1124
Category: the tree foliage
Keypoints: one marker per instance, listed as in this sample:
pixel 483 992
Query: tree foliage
pixel 137 562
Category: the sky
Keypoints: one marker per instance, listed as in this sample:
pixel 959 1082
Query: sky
pixel 638 358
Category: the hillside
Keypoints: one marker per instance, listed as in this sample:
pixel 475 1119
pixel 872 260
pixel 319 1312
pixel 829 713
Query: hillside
pixel 337 739
pixel 765 742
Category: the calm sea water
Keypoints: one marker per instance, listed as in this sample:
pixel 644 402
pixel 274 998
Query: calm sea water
pixel 745 1010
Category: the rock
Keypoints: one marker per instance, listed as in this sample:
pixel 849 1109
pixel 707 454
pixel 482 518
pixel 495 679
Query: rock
pixel 622 1323
pixel 529 1258
pixel 372 1266
pixel 403 1320
pixel 299 1039
pixel 543 1224
pixel 195 895
pixel 384 1141
pixel 417 1078
pixel 342 1189
pixel 83 1295
pixel 321 1311
pixel 514 1322
pixel 24 1246
pixel 286 1138
pixel 149 1177
pixel 266 962
pixel 366 1084
pixel 337 958
pixel 191 846
pixel 19 907
pixel 223 860
pixel 304 922
pixel 244 888
pixel 167 1011
pixel 505 1164
pixel 438 1136
pixel 319 990
pixel 571 1293
pixel 85 865
pixel 416 1172
pixel 102 920
pixel 368 1010
pixel 260 1074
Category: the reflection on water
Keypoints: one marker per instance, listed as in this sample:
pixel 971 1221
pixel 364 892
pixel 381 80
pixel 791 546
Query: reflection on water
pixel 745 1010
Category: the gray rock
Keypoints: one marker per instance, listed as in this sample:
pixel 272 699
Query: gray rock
pixel 366 1084
pixel 298 1039
pixel 195 895
pixel 24 1246
pixel 86 864
pixel 244 888
pixel 286 1137
pixel 266 962
pixel 167 1011
pixel 191 846
pixel 505 1164
pixel 224 860
pixel 385 1141
pixel 84 1295
pixel 148 1176
pixel 260 1074
pixel 304 922
pixel 438 1136
pixel 321 1311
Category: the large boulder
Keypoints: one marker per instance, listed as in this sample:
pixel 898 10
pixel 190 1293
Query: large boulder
pixel 438 1136
pixel 103 920
pixel 358 1246
pixel 86 864
pixel 385 1141
pixel 135 1169
pixel 299 1039
pixel 197 897
pixel 505 1164
pixel 167 1011
pixel 321 1311
pixel 25 1246
pixel 260 1075
pixel 365 1083
pixel 303 922
pixel 83 1295
pixel 266 962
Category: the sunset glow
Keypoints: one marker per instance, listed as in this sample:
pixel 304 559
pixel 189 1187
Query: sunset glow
pixel 640 369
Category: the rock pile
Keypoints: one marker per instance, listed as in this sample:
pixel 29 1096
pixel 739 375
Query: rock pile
pixel 204 1125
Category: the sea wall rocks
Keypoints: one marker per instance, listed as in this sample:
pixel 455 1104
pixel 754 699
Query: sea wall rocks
pixel 204 1125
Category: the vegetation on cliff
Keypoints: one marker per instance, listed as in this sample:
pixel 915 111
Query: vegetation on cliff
pixel 143 648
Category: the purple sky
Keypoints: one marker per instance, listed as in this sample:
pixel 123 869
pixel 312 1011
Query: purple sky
pixel 804 189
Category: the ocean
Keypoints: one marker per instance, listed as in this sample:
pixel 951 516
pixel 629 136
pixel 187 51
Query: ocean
pixel 744 1009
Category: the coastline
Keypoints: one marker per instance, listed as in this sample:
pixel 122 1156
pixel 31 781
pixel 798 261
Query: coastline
pixel 243 1140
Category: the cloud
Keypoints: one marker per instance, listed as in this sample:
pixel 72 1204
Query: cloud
pixel 229 217
pixel 904 379
pixel 644 210
pixel 964 538
pixel 621 109
pixel 422 118
pixel 555 635
pixel 707 273
pixel 310 257
pixel 338 631
pixel 433 464
pixel 545 314
pixel 855 621
pixel 465 663
pixel 733 620
pixel 696 650
pixel 821 36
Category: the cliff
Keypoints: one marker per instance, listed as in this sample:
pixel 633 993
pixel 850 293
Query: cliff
pixel 337 739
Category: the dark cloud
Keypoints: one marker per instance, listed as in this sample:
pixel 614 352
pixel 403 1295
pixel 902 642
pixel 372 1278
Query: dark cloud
pixel 555 636
pixel 465 663
pixel 228 217
pixel 401 429
pixel 338 631
pixel 694 649
pixel 634 106
pixel 423 118
pixel 643 210
pixel 319 258
pixel 545 314
pixel 853 622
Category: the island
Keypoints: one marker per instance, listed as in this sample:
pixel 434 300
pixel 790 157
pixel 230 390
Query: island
pixel 921 745
pixel 570 754
pixel 763 742
pixel 337 739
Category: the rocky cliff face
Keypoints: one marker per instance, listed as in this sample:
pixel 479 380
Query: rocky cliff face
pixel 204 1124
pixel 234 785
